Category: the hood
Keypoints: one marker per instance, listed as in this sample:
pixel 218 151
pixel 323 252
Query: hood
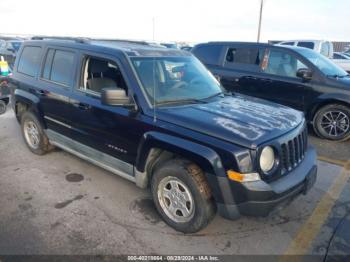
pixel 238 119
pixel 345 81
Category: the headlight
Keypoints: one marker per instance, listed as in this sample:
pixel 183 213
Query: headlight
pixel 267 159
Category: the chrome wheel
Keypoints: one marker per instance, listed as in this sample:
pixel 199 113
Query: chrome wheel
pixel 176 199
pixel 335 123
pixel 31 134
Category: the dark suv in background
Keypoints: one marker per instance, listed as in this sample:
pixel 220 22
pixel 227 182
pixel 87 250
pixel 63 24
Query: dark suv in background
pixel 293 76
pixel 158 118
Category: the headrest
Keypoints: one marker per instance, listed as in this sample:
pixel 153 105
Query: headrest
pixel 98 66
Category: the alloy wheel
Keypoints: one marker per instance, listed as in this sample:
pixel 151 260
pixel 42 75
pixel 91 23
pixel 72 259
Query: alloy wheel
pixel 176 199
pixel 335 123
pixel 31 133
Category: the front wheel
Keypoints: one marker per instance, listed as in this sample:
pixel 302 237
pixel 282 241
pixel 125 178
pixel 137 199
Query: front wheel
pixel 182 196
pixel 333 122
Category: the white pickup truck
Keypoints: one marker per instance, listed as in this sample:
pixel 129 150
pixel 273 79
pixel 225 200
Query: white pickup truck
pixel 323 47
pixel 342 60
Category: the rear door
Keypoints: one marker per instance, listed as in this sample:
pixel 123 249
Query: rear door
pixel 241 66
pixel 54 88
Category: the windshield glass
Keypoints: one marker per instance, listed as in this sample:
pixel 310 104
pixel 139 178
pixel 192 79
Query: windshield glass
pixel 322 63
pixel 175 79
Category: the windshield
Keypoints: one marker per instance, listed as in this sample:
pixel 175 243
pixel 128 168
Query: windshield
pixel 175 79
pixel 322 63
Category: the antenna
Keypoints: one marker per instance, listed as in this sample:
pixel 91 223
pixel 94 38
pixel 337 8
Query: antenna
pixel 154 91
pixel 153 27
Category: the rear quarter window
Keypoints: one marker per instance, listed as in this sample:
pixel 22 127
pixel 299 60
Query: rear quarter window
pixel 245 58
pixel 209 54
pixel 29 62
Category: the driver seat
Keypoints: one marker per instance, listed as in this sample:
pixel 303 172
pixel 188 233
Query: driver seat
pixel 97 80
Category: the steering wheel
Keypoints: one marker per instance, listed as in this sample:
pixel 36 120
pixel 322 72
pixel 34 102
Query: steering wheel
pixel 179 84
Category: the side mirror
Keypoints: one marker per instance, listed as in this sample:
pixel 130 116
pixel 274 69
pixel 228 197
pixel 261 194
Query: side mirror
pixel 11 50
pixel 114 97
pixel 304 73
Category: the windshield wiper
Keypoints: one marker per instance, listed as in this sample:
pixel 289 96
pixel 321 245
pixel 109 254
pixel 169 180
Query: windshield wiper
pixel 337 76
pixel 183 101
pixel 215 95
pixel 192 100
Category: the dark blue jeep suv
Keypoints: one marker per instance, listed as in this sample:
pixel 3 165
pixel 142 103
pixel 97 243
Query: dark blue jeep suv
pixel 158 118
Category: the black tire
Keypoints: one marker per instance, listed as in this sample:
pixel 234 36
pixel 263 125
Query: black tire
pixel 193 179
pixel 333 113
pixel 42 146
pixel 2 107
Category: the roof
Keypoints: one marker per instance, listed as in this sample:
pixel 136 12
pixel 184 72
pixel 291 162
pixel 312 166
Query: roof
pixel 236 43
pixel 305 40
pixel 296 48
pixel 129 47
pixel 252 44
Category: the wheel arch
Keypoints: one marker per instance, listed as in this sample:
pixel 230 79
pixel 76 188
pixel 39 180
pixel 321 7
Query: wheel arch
pixel 324 101
pixel 157 147
pixel 24 101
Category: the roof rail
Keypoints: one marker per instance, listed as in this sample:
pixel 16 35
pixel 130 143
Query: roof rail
pixel 120 41
pixel 75 39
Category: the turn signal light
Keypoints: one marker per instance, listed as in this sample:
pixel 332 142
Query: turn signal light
pixel 238 177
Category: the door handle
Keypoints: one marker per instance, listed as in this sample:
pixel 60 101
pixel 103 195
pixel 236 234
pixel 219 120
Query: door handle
pixel 40 92
pixel 82 106
pixel 250 77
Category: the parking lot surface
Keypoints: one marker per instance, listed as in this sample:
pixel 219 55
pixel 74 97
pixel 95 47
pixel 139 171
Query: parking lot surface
pixel 59 204
pixel 336 152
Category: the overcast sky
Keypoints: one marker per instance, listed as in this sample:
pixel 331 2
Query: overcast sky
pixel 178 20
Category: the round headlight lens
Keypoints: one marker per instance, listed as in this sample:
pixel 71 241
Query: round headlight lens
pixel 267 159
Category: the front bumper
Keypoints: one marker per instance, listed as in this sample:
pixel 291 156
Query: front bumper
pixel 259 198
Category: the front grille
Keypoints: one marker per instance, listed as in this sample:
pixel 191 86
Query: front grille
pixel 293 152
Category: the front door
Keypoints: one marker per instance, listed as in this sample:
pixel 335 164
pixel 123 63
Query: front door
pixel 278 82
pixel 111 130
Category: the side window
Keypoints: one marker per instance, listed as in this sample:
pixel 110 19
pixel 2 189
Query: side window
pixel 337 56
pixel 251 56
pixel 62 67
pixel 99 73
pixel 48 64
pixel 283 64
pixel 309 45
pixel 29 61
pixel 287 43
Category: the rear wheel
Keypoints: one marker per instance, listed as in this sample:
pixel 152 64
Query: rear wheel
pixel 34 135
pixel 2 107
pixel 333 122
pixel 182 196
